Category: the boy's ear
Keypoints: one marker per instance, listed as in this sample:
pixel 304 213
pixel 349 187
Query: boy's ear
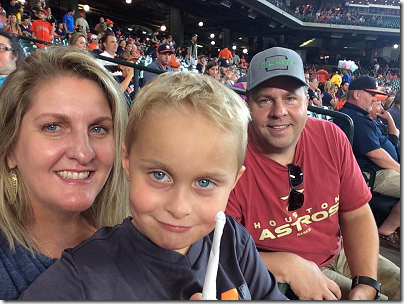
pixel 125 161
pixel 239 174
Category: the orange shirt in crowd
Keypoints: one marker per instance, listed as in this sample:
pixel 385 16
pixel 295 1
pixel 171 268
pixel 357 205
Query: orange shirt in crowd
pixel 225 53
pixel 42 30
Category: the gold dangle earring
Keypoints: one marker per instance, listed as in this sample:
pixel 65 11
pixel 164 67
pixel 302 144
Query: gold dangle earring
pixel 14 185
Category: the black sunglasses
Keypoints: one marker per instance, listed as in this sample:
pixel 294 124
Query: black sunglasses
pixel 296 199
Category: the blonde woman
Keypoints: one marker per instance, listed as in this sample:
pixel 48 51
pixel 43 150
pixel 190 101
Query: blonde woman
pixel 12 25
pixel 62 121
pixel 328 96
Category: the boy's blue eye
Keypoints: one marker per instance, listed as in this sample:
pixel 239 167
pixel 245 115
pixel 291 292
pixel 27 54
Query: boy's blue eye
pixel 161 176
pixel 205 183
pixel 99 129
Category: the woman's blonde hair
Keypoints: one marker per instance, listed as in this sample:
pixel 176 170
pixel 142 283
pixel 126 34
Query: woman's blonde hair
pixel 221 105
pixel 329 86
pixel 16 97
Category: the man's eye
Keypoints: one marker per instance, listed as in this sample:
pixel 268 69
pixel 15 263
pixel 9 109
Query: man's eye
pixel 99 129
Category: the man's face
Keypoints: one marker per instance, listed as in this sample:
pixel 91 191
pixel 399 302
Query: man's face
pixel 345 87
pixel 365 99
pixel 7 59
pixel 111 45
pixel 71 13
pixel 314 84
pixel 224 70
pixel 101 20
pixel 376 108
pixel 164 58
pixel 279 112
pixel 306 77
pixel 194 38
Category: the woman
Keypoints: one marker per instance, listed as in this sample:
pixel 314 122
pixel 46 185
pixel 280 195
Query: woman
pixel 61 173
pixel 12 25
pixel 60 31
pixel 328 96
pixel 78 40
pixel 212 69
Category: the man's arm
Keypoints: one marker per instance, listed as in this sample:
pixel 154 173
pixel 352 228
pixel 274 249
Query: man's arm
pixel 390 123
pixel 381 158
pixel 304 277
pixel 361 244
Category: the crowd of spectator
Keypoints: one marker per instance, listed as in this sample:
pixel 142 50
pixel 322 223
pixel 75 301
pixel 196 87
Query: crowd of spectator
pixel 345 15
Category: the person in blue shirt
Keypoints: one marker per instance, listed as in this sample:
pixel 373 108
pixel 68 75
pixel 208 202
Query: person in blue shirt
pixel 68 21
pixel 372 148
pixel 395 110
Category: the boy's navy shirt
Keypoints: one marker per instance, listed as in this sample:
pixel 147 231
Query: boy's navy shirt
pixel 120 263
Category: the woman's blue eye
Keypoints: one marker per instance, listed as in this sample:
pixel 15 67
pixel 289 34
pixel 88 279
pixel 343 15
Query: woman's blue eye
pixel 160 176
pixel 205 183
pixel 52 127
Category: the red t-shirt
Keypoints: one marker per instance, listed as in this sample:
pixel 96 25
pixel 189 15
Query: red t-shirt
pixel 332 183
pixel 42 30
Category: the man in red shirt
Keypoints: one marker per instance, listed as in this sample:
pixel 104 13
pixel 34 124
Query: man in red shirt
pixel 296 190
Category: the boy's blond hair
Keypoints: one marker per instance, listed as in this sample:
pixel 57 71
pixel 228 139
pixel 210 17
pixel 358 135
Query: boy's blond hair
pixel 207 96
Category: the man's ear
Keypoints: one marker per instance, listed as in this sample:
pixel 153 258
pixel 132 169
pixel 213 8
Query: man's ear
pixel 125 161
pixel 239 174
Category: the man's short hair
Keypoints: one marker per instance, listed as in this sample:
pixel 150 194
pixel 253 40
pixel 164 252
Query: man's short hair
pixel 106 35
pixel 311 78
pixel 219 104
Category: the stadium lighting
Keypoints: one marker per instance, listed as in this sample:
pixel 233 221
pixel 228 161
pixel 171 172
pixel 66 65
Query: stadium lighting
pixel 212 35
pixel 395 46
pixel 86 8
pixel 128 1
pixel 234 47
pixel 245 51
pixel 200 23
pixel 144 32
pixel 212 42
pixel 163 28
pixel 130 29
pixel 240 38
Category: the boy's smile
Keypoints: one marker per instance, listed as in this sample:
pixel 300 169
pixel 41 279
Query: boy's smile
pixel 181 169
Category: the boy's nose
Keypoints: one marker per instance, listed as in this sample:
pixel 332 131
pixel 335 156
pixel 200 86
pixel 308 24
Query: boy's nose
pixel 179 204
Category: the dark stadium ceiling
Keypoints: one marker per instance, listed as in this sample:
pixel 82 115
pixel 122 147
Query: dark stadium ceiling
pixel 151 14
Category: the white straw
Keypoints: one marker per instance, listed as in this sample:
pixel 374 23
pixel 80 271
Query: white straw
pixel 209 286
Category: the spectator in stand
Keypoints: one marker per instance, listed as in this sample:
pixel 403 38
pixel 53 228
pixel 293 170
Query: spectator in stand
pixel 68 21
pixel 51 19
pixel 101 27
pixel 345 76
pixel 171 42
pixel 11 54
pixel 163 40
pixel 110 25
pixel 395 111
pixel 121 47
pixel 174 64
pixel 343 89
pixel 225 53
pixel 12 25
pixel 35 9
pixel 13 7
pixel 83 23
pixel 314 92
pixel 110 46
pixel 79 41
pixel 3 18
pixel 201 64
pixel 236 58
pixel 126 79
pixel 164 54
pixel 293 221
pixel 372 148
pixel 154 38
pixel 128 47
pixel 224 67
pixel 60 31
pixel 93 45
pixel 336 78
pixel 24 26
pixel 212 69
pixel 136 52
pixel 41 29
pixel 192 50
pixel 328 96
pixel 73 116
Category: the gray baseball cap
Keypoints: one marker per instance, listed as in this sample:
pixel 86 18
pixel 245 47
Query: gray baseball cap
pixel 274 62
